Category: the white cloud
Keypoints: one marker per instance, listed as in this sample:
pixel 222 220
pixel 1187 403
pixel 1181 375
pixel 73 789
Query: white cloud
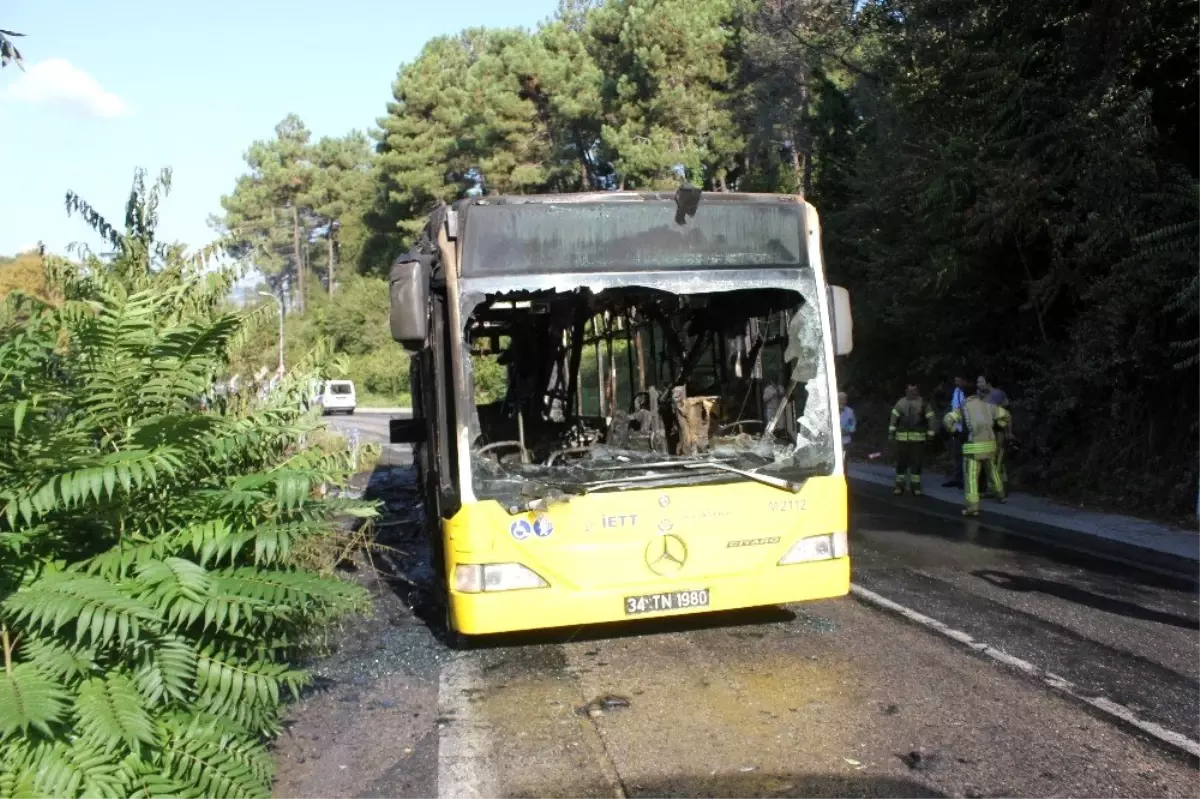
pixel 56 81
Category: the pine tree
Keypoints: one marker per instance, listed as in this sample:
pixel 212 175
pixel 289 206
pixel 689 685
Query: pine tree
pixel 423 159
pixel 266 217
pixel 559 76
pixel 666 90
pixel 341 186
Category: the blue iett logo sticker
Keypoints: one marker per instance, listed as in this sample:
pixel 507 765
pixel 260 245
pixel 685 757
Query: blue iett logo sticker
pixel 520 529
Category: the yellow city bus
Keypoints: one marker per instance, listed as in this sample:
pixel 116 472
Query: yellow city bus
pixel 624 406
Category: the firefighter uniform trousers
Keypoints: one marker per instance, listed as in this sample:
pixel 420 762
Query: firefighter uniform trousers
pixel 998 459
pixel 975 461
pixel 979 452
pixel 911 417
pixel 909 456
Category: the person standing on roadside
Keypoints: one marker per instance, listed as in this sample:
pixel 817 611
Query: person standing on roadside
pixel 912 424
pixel 957 437
pixel 998 397
pixel 979 419
pixel 849 423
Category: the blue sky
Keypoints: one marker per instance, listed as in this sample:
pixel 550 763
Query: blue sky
pixel 116 85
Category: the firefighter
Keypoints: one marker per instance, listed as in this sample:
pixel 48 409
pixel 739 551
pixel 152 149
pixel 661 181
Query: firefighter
pixel 980 419
pixel 998 396
pixel 912 424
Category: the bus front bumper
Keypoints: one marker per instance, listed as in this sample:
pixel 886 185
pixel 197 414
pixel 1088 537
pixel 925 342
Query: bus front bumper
pixel 542 608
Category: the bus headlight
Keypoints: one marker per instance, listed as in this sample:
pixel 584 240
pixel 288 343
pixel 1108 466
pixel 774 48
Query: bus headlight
pixel 817 547
pixel 474 578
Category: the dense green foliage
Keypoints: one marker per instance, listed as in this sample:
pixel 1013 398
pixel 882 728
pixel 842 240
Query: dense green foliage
pixel 149 605
pixel 1006 187
pixel 353 322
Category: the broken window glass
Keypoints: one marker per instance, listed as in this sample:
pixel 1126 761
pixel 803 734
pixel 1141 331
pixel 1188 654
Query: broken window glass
pixel 639 386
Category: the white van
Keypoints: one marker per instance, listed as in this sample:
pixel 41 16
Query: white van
pixel 338 396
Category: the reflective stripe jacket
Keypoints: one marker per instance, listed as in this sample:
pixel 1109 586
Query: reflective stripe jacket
pixel 981 418
pixel 912 420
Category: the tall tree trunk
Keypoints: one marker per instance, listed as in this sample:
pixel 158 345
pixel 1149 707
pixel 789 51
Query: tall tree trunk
pixel 805 139
pixel 329 238
pixel 299 259
pixel 797 167
pixel 584 172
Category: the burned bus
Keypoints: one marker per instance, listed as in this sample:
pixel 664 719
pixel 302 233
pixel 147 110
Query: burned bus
pixel 666 439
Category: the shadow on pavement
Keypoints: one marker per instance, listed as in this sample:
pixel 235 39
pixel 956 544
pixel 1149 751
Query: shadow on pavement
pixel 641 628
pixel 873 509
pixel 1015 582
pixel 403 559
pixel 764 785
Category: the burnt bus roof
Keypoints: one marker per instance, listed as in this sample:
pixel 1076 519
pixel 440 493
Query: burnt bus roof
pixel 622 196
pixel 629 232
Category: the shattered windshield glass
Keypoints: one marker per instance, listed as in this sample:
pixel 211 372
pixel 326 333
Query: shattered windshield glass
pixel 580 390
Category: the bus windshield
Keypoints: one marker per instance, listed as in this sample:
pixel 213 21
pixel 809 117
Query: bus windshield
pixel 586 383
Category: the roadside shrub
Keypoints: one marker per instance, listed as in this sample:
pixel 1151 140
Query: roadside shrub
pixel 491 379
pixel 150 604
pixel 383 371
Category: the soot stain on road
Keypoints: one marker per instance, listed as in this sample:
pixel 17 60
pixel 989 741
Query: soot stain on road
pixel 756 786
pixel 368 725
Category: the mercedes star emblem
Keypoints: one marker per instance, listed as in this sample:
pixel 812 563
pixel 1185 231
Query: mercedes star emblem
pixel 666 554
pixel 663 500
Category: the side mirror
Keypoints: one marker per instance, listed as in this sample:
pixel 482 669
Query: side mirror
pixel 406 431
pixel 408 292
pixel 843 322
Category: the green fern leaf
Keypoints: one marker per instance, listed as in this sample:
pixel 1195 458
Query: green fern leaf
pixel 218 765
pixel 177 587
pixel 150 784
pixel 65 770
pixel 167 671
pixel 110 712
pixel 29 699
pixel 58 661
pixel 95 606
pixel 226 681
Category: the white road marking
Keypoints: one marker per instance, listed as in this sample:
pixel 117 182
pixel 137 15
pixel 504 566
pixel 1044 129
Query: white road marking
pixel 1050 679
pixel 464 741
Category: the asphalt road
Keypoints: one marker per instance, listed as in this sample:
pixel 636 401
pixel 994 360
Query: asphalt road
pixel 371 426
pixel 837 698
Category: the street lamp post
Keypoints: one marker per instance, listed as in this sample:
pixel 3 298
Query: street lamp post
pixel 280 304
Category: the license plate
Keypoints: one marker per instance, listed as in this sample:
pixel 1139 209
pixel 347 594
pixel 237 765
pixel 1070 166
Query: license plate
pixel 668 600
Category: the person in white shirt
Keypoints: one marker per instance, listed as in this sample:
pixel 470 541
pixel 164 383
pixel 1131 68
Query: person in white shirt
pixel 849 423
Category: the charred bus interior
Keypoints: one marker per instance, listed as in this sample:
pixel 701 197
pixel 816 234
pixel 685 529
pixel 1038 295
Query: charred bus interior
pixel 636 386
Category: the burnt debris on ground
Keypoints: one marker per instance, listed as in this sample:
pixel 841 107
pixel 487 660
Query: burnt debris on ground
pixel 397 635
